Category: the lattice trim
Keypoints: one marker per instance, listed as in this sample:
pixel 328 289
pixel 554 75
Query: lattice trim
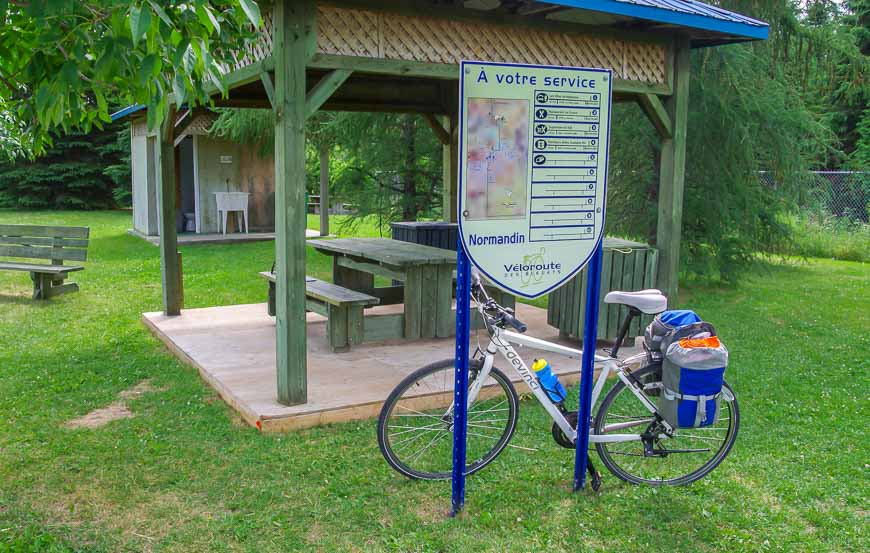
pixel 446 41
pixel 348 32
pixel 259 49
pixel 644 62
pixel 370 34
pixel 202 124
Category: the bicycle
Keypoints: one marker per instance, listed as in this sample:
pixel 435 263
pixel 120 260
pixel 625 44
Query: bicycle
pixel 417 417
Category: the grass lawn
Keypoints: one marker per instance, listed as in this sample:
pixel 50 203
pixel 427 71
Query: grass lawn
pixel 184 474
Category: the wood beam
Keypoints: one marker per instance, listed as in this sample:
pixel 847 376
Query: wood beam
pixel 385 107
pixel 239 77
pixel 325 88
pixel 442 131
pixel 253 103
pixel 625 86
pixel 450 152
pixel 657 114
pixel 446 71
pixel 385 66
pixel 269 87
pixel 672 172
pixel 170 259
pixel 294 42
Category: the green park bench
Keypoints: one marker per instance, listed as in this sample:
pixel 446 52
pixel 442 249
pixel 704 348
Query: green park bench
pixel 37 242
pixel 342 308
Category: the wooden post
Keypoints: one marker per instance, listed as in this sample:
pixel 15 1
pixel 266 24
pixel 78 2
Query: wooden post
pixel 450 155
pixel 448 201
pixel 454 168
pixel 324 190
pixel 294 42
pixel 170 260
pixel 672 174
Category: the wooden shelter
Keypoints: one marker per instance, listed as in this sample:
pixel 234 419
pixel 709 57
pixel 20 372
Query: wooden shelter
pixel 402 56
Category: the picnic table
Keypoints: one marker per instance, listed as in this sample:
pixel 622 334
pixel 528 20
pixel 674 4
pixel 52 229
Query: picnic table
pixel 424 273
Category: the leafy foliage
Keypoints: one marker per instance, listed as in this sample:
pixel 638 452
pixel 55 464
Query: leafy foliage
pixel 387 165
pixel 255 127
pixel 793 103
pixel 79 171
pixel 62 60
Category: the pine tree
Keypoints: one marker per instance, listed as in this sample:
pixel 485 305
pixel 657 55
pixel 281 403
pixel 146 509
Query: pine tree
pixel 79 171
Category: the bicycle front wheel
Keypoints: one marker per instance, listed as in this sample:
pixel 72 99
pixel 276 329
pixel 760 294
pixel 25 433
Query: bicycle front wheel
pixel 682 459
pixel 415 428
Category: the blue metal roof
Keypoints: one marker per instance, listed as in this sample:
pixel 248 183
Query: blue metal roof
pixel 711 24
pixel 127 111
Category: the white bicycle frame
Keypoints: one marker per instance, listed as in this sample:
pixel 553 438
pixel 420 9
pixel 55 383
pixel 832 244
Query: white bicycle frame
pixel 502 340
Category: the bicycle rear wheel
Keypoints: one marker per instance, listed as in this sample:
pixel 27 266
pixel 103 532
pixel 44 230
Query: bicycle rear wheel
pixel 686 457
pixel 415 428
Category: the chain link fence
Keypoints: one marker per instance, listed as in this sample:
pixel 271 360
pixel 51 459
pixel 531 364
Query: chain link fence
pixel 844 195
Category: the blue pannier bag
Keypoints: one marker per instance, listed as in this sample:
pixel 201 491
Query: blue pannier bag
pixel 665 323
pixel 693 372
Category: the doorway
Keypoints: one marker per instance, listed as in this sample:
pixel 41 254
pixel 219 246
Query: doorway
pixel 188 206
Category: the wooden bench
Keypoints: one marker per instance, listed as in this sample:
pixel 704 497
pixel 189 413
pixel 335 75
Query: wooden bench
pixel 342 308
pixel 57 244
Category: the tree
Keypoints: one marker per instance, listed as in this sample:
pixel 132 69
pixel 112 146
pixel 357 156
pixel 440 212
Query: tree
pixel 748 113
pixel 61 61
pixel 78 171
pixel 384 164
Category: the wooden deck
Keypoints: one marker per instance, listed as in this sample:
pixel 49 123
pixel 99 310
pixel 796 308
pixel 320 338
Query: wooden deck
pixel 233 348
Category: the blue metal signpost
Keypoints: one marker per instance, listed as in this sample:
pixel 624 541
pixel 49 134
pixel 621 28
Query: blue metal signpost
pixel 532 189
pixel 590 333
pixel 460 390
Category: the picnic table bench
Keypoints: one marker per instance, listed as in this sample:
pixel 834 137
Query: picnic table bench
pixel 37 242
pixel 342 308
pixel 422 280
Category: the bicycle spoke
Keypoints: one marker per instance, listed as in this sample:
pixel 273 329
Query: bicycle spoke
pixel 417 413
pixel 426 447
pixel 413 428
pixel 491 409
pixel 485 427
pixel 416 441
pixel 413 438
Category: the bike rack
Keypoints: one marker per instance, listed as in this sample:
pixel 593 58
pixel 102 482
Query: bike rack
pixel 460 389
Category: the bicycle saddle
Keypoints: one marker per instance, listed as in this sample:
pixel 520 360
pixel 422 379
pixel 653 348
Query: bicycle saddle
pixel 650 301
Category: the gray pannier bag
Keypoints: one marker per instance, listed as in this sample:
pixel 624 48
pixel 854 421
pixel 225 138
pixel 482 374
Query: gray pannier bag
pixel 693 373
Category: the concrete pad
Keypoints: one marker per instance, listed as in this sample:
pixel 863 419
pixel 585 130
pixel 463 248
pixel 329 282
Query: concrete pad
pixel 233 348
pixel 186 239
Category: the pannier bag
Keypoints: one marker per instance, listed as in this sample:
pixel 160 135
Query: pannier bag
pixel 693 371
pixel 666 322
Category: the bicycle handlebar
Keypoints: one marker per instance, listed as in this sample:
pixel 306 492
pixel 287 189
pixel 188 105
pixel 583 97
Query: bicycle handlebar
pixel 518 325
pixel 504 316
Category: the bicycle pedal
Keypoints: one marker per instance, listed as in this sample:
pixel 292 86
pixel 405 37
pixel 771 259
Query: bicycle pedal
pixel 596 481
